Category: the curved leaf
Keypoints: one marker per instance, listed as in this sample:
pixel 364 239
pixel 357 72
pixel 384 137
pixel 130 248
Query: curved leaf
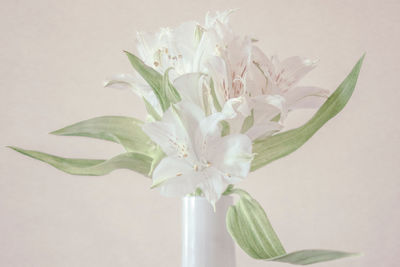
pixel 249 226
pixel 274 147
pixel 130 160
pixel 123 130
pixel 162 88
pixel 151 110
pixel 151 76
pixel 305 257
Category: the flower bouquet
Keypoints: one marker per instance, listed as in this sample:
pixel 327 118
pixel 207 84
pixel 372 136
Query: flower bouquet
pixel 216 106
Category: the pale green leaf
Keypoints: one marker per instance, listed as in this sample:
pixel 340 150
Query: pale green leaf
pixel 249 226
pixel 151 110
pixel 162 88
pixel 123 130
pixel 225 128
pixel 310 256
pixel 274 147
pixel 248 122
pixel 198 34
pixel 157 157
pixel 217 105
pixel 170 91
pixel 152 77
pixel 132 161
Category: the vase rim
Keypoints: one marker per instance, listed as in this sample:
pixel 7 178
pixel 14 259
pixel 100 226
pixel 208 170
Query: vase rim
pixel 202 197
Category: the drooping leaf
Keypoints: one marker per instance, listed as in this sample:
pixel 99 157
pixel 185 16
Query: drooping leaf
pixel 123 130
pixel 274 147
pixel 249 226
pixel 310 256
pixel 130 160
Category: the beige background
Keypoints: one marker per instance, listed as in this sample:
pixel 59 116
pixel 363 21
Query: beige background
pixel 341 190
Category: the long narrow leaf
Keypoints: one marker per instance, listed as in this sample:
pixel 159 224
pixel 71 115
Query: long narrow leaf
pixel 151 110
pixel 274 147
pixel 305 257
pixel 123 130
pixel 152 77
pixel 249 226
pixel 130 160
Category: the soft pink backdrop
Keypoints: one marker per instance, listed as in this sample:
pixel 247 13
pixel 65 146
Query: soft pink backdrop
pixel 341 190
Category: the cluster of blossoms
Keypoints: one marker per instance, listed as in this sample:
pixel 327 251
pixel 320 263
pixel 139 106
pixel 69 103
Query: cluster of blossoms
pixel 230 94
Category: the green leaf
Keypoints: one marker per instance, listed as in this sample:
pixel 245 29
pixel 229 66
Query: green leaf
pixel 150 109
pixel 248 122
pixel 157 157
pixel 132 161
pixel 123 130
pixel 277 146
pixel 225 128
pixel 198 34
pixel 217 105
pixel 249 226
pixel 152 77
pixel 170 91
pixel 305 257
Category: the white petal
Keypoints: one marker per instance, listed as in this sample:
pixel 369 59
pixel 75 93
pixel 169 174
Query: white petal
pixel 231 154
pixel 263 113
pixel 218 71
pixel 169 134
pixel 190 116
pixel 263 129
pixel 176 177
pixel 292 70
pixel 137 85
pixel 189 88
pixel 306 97
pixel 213 185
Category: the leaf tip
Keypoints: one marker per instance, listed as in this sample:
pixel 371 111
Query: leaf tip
pixel 14 148
pixel 56 132
pixel 362 57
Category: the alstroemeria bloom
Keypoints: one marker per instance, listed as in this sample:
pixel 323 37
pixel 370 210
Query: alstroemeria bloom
pixel 233 75
pixel 267 87
pixel 182 49
pixel 282 78
pixel 197 156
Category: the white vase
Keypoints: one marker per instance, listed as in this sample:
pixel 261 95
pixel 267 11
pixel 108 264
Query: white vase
pixel 205 240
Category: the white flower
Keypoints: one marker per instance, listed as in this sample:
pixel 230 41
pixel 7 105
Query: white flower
pixel 282 78
pixel 265 88
pixel 184 49
pixel 234 75
pixel 197 156
pixel 268 87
